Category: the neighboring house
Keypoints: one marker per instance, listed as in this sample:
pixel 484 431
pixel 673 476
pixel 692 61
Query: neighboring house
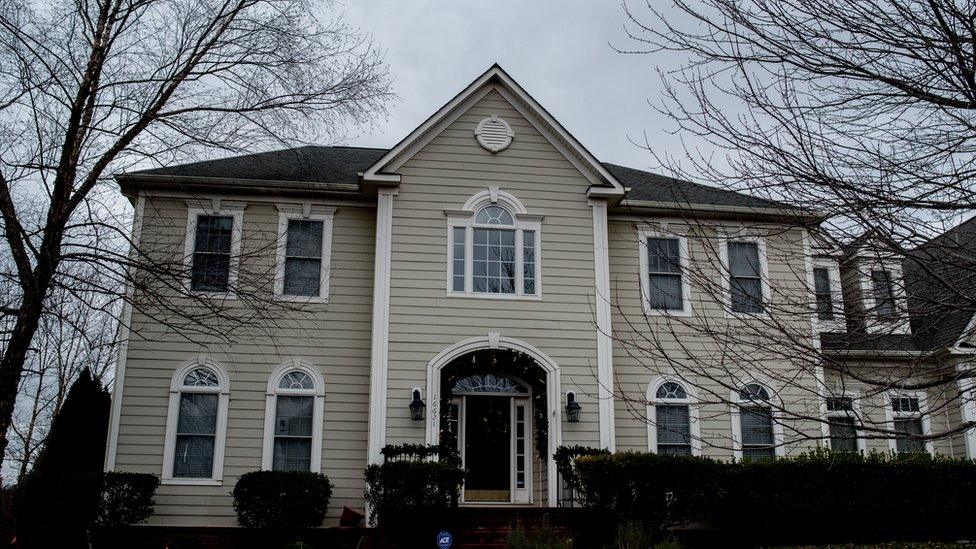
pixel 487 267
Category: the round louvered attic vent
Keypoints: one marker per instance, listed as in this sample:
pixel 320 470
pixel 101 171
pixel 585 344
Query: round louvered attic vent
pixel 494 134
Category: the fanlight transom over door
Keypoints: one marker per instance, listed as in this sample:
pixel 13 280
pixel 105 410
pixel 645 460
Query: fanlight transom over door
pixel 491 416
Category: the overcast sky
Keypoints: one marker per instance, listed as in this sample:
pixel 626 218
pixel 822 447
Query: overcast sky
pixel 557 50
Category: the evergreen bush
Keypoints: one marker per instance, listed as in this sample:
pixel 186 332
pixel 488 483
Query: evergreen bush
pixel 292 500
pixel 413 485
pixel 818 497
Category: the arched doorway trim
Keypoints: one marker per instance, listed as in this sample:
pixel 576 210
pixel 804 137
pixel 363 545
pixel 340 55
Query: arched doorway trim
pixel 496 341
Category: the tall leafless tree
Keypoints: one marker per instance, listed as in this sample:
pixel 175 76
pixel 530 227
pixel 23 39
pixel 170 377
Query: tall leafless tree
pixel 92 88
pixel 860 111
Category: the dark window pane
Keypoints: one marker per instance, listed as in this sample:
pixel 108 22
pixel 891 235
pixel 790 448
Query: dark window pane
pixel 211 272
pixel 905 428
pixel 744 259
pixel 758 452
pixel 494 261
pixel 757 426
pixel 822 294
pixel 883 293
pixel 840 404
pixel 294 416
pixel 528 262
pixel 304 238
pixel 213 234
pixel 664 292
pixel 292 454
pixel 673 426
pixel 843 435
pixel 904 404
pixel 746 295
pixel 194 456
pixel 663 255
pixel 198 414
pixel 302 276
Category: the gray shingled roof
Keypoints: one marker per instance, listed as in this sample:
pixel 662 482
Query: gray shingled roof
pixel 313 164
pixel 652 187
pixel 861 341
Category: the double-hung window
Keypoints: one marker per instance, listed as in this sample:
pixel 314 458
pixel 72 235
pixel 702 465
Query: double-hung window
pixel 673 428
pixel 196 425
pixel 494 252
pixel 841 424
pixel 908 424
pixel 745 277
pixel 212 253
pixel 756 431
pixel 823 293
pixel 664 274
pixel 883 292
pixel 293 419
pixel 305 239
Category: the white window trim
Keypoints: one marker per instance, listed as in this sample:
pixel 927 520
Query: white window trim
pixel 774 404
pixel 922 413
pixel 524 221
pixel 271 405
pixel 693 412
pixel 725 235
pixel 308 212
pixel 836 294
pixel 215 207
pixel 855 414
pixel 176 388
pixel 643 233
pixel 873 324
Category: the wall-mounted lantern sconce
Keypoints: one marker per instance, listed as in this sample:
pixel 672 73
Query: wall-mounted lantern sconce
pixel 572 408
pixel 417 406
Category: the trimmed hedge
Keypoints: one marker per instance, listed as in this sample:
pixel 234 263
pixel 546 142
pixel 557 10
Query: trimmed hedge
pixel 816 497
pixel 127 498
pixel 292 500
pixel 411 485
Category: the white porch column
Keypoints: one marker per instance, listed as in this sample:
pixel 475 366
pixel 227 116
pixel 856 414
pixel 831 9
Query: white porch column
pixel 379 358
pixel 967 392
pixel 604 347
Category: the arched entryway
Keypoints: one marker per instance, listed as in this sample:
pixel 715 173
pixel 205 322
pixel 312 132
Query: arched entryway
pixel 498 395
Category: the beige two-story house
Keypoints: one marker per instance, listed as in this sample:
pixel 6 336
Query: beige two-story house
pixel 486 282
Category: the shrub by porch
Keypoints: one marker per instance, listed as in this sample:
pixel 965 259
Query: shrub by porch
pixel 819 497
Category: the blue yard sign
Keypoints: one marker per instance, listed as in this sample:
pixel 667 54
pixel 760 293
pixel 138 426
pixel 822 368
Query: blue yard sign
pixel 445 540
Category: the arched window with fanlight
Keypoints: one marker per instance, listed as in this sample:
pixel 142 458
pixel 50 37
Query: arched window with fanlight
pixel 672 416
pixel 196 425
pixel 294 406
pixel 493 248
pixel 756 431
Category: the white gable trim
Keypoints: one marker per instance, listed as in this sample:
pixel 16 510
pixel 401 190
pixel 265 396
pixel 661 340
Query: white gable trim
pixel 573 150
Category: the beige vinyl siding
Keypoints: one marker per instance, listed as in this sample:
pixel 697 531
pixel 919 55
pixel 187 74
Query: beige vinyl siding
pixel 443 175
pixel 642 341
pixel 334 337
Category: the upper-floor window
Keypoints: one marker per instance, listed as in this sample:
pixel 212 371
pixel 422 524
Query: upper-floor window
pixel 665 287
pixel 823 293
pixel 293 419
pixel 494 248
pixel 213 246
pixel 746 276
pixel 883 292
pixel 673 427
pixel 196 425
pixel 211 253
pixel 304 249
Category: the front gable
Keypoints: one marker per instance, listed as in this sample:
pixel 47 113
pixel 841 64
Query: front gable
pixel 493 85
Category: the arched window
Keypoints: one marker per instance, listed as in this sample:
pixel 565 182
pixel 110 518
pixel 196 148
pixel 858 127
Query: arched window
pixel 672 419
pixel 196 426
pixel 293 419
pixel 755 432
pixel 494 247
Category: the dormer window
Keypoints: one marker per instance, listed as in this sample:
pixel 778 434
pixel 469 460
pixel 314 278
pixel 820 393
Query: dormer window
pixel 494 248
pixel 883 293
